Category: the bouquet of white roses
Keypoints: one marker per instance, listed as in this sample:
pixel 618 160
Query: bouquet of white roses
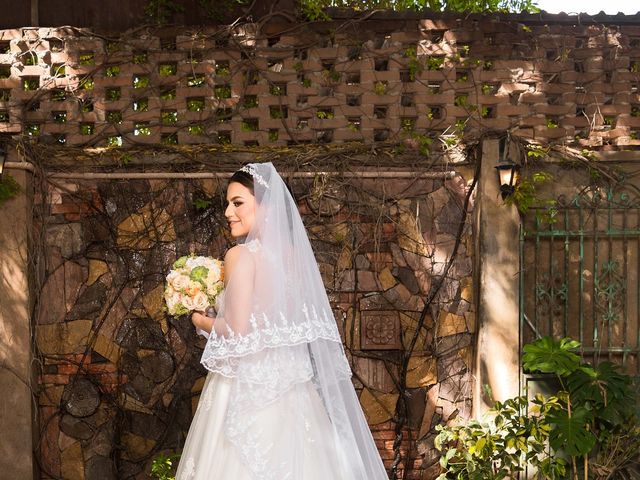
pixel 193 284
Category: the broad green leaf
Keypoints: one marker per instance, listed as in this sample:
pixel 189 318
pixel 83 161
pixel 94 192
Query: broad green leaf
pixel 547 355
pixel 481 443
pixel 571 434
pixel 604 389
pixel 450 453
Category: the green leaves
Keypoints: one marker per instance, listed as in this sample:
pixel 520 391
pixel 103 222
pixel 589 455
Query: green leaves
pixel 526 194
pixel 588 417
pixel 162 11
pixel 314 9
pixel 163 466
pixel 444 460
pixel 571 432
pixel 201 203
pixel 9 188
pixel 604 389
pixel 181 262
pixel 547 355
pixel 553 467
pixel 496 449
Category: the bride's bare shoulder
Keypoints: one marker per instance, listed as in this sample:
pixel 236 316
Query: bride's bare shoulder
pixel 233 253
pixel 237 254
pixel 238 261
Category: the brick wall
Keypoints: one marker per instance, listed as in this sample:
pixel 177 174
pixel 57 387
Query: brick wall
pixel 382 80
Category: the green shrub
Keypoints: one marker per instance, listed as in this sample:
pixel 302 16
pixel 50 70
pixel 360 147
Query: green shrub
pixel 163 467
pixel 588 429
pixel 9 188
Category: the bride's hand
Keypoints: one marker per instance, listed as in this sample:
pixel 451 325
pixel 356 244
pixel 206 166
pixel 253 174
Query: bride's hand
pixel 201 321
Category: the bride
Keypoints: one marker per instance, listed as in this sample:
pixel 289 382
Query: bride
pixel 278 402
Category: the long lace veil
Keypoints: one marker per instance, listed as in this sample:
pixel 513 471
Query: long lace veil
pixel 281 334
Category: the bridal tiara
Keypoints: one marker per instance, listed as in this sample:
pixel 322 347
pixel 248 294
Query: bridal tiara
pixel 251 170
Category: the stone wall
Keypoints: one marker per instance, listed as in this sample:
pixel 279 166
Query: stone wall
pixel 120 379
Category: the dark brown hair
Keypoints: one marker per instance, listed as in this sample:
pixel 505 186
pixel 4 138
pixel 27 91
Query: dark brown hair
pixel 243 178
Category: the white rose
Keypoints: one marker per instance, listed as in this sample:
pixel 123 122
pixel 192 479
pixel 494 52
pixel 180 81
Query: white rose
pixel 188 303
pixel 180 282
pixel 172 275
pixel 213 265
pixel 213 277
pixel 212 289
pixel 200 301
pixel 193 288
pixel 172 301
pixel 179 298
pixel 169 292
pixel 196 262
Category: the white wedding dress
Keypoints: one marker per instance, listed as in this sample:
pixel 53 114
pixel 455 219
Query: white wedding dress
pixel 278 402
pixel 209 455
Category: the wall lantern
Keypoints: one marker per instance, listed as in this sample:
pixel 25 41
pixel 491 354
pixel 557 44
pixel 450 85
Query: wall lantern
pixel 508 172
pixel 507 169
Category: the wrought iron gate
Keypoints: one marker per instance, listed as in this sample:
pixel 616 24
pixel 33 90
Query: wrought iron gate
pixel 579 267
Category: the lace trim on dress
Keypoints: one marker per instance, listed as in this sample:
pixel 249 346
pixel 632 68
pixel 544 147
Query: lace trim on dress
pixel 220 351
pixel 253 245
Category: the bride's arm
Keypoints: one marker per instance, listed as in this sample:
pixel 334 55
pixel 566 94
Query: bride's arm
pixel 239 273
pixel 202 322
pixel 205 324
pixel 238 296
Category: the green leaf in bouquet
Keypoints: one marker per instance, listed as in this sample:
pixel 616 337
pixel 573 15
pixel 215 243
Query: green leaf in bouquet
pixel 181 262
pixel 199 274
pixel 179 310
pixel 547 355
